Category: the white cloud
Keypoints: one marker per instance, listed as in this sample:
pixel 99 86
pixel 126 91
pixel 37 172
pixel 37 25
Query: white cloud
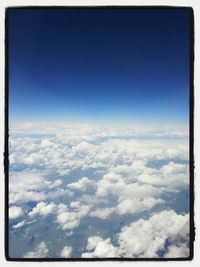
pixel 19 225
pixel 178 251
pixel 15 212
pixel 92 242
pixel 103 248
pixel 57 182
pixel 132 196
pixel 137 205
pixel 118 161
pixel 40 251
pixel 71 219
pixel 102 213
pixel 82 184
pixel 46 143
pixel 66 252
pixel 23 186
pixel 68 220
pixel 33 185
pixel 43 209
pixel 145 238
pixel 85 147
pixel 172 176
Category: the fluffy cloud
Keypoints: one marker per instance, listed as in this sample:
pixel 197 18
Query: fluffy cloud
pixel 160 228
pixel 71 219
pixel 66 217
pixel 93 242
pixel 42 209
pixel 165 232
pixel 40 251
pixel 133 197
pixel 172 176
pixel 57 182
pixel 102 213
pixel 15 212
pixel 66 252
pixel 24 185
pixel 178 251
pixel 131 170
pixel 103 248
pixel 137 205
pixel 69 147
pixel 82 184
pixel 33 185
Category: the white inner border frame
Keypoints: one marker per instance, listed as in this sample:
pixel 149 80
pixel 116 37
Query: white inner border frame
pixel 195 4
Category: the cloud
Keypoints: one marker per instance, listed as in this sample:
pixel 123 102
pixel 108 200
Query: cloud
pixel 102 213
pixel 68 220
pixel 165 232
pixel 66 252
pixel 103 248
pixel 25 186
pixel 67 147
pixel 137 205
pixel 171 175
pixel 133 197
pixel 40 251
pixel 42 209
pixel 178 251
pixel 131 170
pixel 65 217
pixel 33 185
pixel 19 225
pixel 82 184
pixel 15 212
pixel 71 219
pixel 145 238
pixel 93 242
pixel 46 143
pixel 56 183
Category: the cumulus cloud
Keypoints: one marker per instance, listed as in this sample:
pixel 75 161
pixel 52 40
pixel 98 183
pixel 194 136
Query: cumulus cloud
pixel 40 251
pixel 33 185
pixel 93 242
pixel 102 213
pixel 163 226
pixel 132 197
pixel 15 212
pixel 67 218
pixel 130 170
pixel 171 175
pixel 66 252
pixel 137 205
pixel 88 146
pixel 24 185
pixel 103 248
pixel 43 209
pixel 71 219
pixel 178 251
pixel 57 182
pixel 82 184
pixel 166 231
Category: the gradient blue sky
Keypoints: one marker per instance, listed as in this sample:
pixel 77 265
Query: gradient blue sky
pixel 99 65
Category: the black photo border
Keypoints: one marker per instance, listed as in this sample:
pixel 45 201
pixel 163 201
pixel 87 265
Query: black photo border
pixel 191 136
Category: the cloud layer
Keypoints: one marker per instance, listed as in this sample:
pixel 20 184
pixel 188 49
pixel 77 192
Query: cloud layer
pixel 68 175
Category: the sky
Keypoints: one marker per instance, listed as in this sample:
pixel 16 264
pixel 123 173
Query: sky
pixel 99 65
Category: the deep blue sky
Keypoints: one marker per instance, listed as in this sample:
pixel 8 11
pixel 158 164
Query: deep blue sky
pixel 103 64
